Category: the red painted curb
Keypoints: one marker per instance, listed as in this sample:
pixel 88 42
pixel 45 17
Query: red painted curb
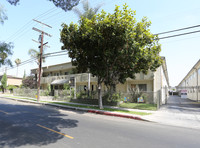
pixel 116 115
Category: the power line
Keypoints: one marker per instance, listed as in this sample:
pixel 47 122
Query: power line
pixel 33 59
pixel 180 40
pixel 179 35
pixel 178 30
pixel 24 29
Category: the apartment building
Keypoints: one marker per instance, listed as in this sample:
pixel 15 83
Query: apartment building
pixel 58 75
pixel 191 83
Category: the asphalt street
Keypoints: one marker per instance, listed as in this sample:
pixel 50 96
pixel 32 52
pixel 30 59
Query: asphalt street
pixel 29 125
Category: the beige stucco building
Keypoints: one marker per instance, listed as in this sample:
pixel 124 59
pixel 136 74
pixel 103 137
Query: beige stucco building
pixel 191 83
pixel 12 80
pixel 58 75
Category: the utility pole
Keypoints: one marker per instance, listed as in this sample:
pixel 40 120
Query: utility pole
pixel 41 40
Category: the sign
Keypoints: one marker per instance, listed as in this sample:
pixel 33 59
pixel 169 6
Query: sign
pixel 140 99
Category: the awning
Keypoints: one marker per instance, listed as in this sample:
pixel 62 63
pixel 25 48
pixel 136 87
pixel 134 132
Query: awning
pixel 59 82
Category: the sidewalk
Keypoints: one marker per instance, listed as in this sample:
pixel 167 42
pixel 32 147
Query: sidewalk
pixel 178 112
pixel 175 113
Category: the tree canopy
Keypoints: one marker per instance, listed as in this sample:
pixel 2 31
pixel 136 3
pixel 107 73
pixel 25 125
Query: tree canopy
pixel 29 82
pixel 112 47
pixel 88 11
pixel 2 14
pixel 35 55
pixel 63 4
pixel 4 82
pixel 5 52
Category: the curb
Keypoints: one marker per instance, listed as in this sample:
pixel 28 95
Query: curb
pixel 115 114
pixel 81 109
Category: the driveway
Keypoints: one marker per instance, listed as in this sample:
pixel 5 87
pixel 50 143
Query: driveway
pixel 182 105
pixel 178 112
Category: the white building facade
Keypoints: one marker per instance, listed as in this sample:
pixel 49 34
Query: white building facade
pixel 191 83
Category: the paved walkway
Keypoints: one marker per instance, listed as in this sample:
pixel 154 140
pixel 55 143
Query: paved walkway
pixel 178 112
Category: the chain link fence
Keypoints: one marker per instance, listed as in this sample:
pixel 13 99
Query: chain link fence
pixel 149 97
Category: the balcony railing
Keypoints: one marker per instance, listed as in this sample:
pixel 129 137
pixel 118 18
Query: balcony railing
pixel 79 78
pixel 84 78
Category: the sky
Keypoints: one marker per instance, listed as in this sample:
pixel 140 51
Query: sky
pixel 181 52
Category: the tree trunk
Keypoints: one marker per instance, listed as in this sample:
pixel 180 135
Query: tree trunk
pixel 100 95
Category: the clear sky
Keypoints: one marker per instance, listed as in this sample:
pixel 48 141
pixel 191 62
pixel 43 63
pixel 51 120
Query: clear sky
pixel 181 52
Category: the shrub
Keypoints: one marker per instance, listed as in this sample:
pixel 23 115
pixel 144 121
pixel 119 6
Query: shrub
pixel 135 93
pixel 66 86
pixel 115 97
pixel 11 87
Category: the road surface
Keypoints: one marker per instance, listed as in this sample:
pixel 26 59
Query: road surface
pixel 27 125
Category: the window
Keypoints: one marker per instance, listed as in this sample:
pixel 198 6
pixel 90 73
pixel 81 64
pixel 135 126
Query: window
pixel 66 73
pixel 142 87
pixel 133 86
pixel 199 71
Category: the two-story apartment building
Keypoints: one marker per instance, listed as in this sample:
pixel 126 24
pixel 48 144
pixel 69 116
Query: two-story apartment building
pixel 191 83
pixel 58 75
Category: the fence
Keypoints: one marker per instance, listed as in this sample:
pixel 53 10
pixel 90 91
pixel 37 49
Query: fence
pixel 160 97
pixel 29 92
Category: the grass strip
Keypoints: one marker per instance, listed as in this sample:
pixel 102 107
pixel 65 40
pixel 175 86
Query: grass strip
pixel 141 106
pixel 91 107
pixel 105 109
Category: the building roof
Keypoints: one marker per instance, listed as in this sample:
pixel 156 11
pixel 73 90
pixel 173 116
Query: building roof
pixel 59 82
pixel 53 67
pixel 9 76
pixel 193 68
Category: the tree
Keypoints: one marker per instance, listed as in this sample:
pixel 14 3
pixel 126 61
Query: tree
pixel 17 62
pixel 113 47
pixel 2 14
pixel 63 4
pixel 5 52
pixel 24 76
pixel 88 12
pixel 4 82
pixel 36 55
pixel 29 82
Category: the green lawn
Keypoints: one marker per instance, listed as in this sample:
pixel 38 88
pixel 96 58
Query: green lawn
pixel 105 109
pixel 141 106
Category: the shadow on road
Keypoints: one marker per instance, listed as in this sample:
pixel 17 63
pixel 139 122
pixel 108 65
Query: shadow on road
pixel 18 125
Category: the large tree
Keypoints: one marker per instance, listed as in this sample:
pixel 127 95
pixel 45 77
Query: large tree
pixel 5 52
pixel 35 55
pixel 112 46
pixel 29 82
pixel 64 4
pixel 17 62
pixel 5 49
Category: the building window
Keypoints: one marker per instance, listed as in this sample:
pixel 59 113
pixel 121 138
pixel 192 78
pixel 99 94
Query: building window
pixel 142 87
pixel 199 71
pixel 66 73
pixel 133 86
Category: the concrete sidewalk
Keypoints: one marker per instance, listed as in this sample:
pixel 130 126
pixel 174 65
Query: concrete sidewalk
pixel 178 112
pixel 175 113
